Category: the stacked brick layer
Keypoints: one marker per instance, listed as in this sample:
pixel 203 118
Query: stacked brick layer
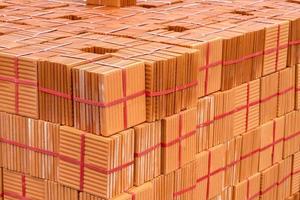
pixel 165 100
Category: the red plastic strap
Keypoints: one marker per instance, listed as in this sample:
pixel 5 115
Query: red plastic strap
pixel 284 179
pixel 262 192
pixel 133 195
pixel 248 106
pixel 180 136
pixel 274 137
pixel 23 185
pixel 17 81
pixel 256 54
pixel 244 58
pixel 211 65
pixel 291 136
pixel 221 169
pixel 248 189
pixel 173 142
pixel 55 93
pixel 16 66
pixel 15 195
pixel 82 155
pixel 95 168
pixel 294 42
pixel 254 196
pixel 181 192
pixel 206 70
pixel 24 146
pixel 208 175
pixel 277 50
pixel 111 103
pixel 172 90
pixel 124 81
pixel 253 55
pixel 146 151
pixel 66 158
pixel 296 172
pixel 223 115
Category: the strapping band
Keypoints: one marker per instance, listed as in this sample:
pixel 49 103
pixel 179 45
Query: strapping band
pixel 172 90
pixel 111 103
pixel 274 137
pixel 228 113
pixel 277 50
pixel 124 84
pixel 247 105
pixel 180 147
pixel 16 195
pixel 82 155
pixel 146 151
pixel 23 185
pixel 206 70
pixel 235 162
pixel 208 175
pixel 16 66
pixel 133 195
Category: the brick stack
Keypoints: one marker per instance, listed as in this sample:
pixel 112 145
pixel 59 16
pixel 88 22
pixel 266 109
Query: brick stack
pixel 164 100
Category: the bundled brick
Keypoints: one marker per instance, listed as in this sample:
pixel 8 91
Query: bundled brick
pixel 29 146
pixel 162 100
pixel 178 140
pixel 110 93
pixel 96 164
pixel 147 152
pixel 20 186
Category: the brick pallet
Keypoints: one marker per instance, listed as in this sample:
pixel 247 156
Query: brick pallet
pixel 161 100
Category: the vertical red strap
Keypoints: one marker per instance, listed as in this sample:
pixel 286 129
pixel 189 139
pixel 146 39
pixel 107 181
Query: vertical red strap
pixel 124 82
pixel 206 69
pixel 248 106
pixel 82 155
pixel 16 66
pixel 23 185
pixel 248 189
pixel 277 50
pixel 208 175
pixel 179 143
pixel 274 137
pixel 133 195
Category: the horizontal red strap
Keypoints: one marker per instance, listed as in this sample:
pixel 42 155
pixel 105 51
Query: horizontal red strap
pixel 291 136
pixel 112 103
pixel 211 65
pixel 18 81
pixel 223 115
pixel 244 58
pixel 294 42
pixel 284 179
pixel 172 90
pixel 184 191
pixel 256 54
pixel 268 189
pixel 55 93
pixel 24 146
pixel 296 172
pixel 64 157
pixel 250 56
pixel 254 196
pixel 173 142
pixel 146 151
pixel 93 167
pixel 271 145
pixel 15 195
pixel 221 169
